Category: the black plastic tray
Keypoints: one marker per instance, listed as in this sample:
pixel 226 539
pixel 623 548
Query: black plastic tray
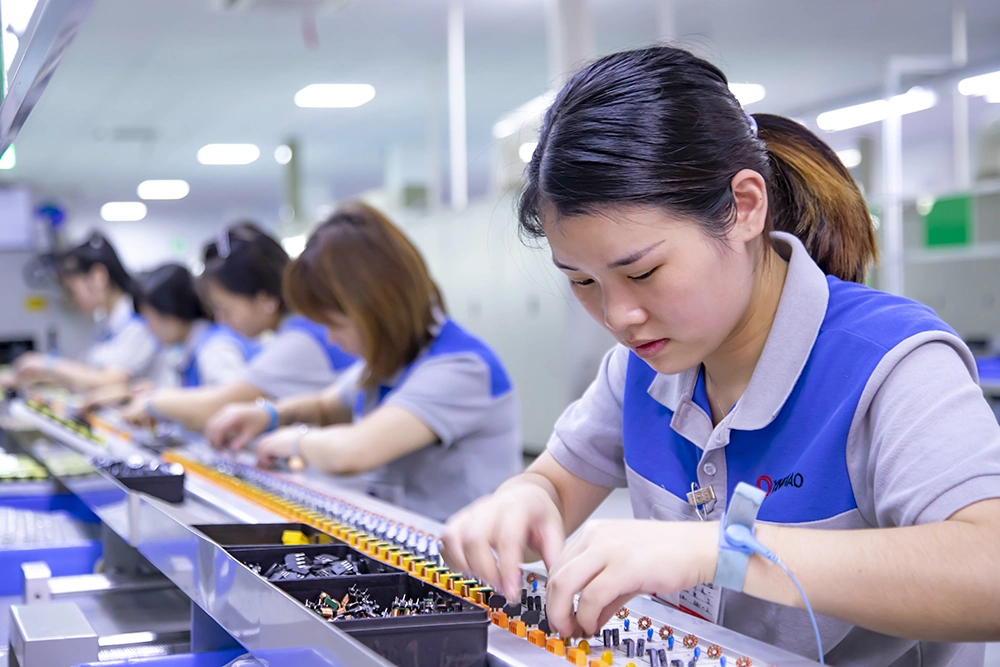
pixel 261 534
pixel 163 482
pixel 268 556
pixel 448 639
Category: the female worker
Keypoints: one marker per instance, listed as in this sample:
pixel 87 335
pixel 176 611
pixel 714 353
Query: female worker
pixel 195 352
pixel 430 411
pixel 725 253
pixel 242 277
pixel 123 347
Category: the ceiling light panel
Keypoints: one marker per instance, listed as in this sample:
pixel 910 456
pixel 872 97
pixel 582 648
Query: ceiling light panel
pixel 228 154
pixel 163 189
pixel 123 211
pixel 334 95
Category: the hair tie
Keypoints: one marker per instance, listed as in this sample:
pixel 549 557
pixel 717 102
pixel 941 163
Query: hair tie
pixel 753 123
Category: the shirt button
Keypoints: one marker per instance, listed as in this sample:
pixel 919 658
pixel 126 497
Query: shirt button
pixel 709 469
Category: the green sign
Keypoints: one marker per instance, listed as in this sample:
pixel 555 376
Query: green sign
pixel 949 221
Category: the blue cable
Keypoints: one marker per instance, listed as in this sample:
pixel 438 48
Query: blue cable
pixel 742 537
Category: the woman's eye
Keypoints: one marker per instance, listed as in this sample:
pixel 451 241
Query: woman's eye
pixel 645 275
pixel 582 283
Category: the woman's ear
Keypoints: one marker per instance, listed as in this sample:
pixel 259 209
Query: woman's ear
pixel 98 275
pixel 268 302
pixel 750 193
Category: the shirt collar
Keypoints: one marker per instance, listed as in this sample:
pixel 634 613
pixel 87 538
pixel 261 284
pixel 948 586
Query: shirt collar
pixel 797 321
pixel 119 317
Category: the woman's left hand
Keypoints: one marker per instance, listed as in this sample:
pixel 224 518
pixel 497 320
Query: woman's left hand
pixel 611 561
pixel 31 367
pixel 277 445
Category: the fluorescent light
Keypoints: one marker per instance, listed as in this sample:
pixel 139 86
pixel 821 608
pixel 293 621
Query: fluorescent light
pixel 982 85
pixel 163 189
pixel 228 154
pixel 334 95
pixel 294 245
pixel 993 98
pixel 9 159
pixel 123 211
pixel 530 110
pixel 283 154
pixel 526 150
pixel 913 100
pixel 747 93
pixel 851 157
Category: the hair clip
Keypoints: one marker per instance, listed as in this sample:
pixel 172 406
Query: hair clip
pixel 222 246
pixel 753 123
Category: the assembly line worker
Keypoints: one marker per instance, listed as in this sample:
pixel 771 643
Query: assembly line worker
pixel 123 347
pixel 193 350
pixel 242 278
pixel 430 410
pixel 726 254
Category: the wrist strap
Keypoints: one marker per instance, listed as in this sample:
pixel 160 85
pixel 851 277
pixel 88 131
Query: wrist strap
pixel 272 413
pixel 731 570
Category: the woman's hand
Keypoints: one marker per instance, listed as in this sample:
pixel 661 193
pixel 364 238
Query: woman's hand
pixel 32 368
pixel 278 445
pixel 520 515
pixel 611 561
pixel 234 426
pixel 114 394
pixel 136 413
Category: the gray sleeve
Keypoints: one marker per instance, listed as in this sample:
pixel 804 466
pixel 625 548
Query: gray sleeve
pixel 587 438
pixel 348 384
pixel 450 394
pixel 928 443
pixel 291 364
pixel 133 350
pixel 220 362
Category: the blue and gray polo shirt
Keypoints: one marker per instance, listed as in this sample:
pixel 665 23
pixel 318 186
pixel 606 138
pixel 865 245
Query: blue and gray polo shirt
pixel 863 411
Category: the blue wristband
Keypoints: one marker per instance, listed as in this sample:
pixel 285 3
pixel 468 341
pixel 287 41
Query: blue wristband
pixel 272 413
pixel 731 570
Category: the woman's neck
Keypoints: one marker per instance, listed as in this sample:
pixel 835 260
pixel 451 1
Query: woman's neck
pixel 729 369
pixel 111 298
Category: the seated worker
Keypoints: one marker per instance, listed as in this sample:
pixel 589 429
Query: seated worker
pixel 123 348
pixel 194 351
pixel 430 411
pixel 242 279
pixel 754 373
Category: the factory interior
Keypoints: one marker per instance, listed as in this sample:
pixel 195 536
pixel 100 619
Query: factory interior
pixel 455 333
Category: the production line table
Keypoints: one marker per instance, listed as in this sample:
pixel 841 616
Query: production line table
pixel 262 618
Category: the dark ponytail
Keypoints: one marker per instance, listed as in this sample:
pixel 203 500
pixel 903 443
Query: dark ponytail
pixel 660 127
pixel 245 260
pixel 813 196
pixel 170 290
pixel 96 250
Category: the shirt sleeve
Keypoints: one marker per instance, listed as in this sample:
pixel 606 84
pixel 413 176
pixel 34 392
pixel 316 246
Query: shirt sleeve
pixel 220 362
pixel 934 441
pixel 292 363
pixel 133 350
pixel 587 438
pixel 348 384
pixel 451 394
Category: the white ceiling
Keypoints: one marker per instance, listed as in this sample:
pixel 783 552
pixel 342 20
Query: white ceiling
pixel 180 75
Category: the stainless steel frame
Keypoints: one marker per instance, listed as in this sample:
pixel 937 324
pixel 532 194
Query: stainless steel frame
pixel 50 32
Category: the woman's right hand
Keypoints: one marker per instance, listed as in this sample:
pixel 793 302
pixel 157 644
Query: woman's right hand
pixel 519 516
pixel 234 426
